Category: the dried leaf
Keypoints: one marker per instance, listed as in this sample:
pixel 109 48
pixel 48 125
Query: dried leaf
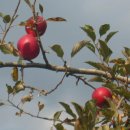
pixel 19 86
pixel 27 98
pixel 56 19
pixel 78 46
pixel 8 48
pixel 14 74
pixel 40 106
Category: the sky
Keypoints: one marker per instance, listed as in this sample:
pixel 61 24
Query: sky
pixel 78 13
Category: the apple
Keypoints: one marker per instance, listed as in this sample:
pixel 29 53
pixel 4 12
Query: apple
pixel 100 94
pixel 28 47
pixel 41 26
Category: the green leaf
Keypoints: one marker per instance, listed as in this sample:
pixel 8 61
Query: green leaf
pixel 109 36
pixel 58 50
pixel 59 126
pixel 103 29
pixel 90 32
pixel 78 109
pixel 41 8
pixel 105 51
pixel 6 19
pixel 97 65
pixel 78 46
pixel 57 115
pixel 68 109
pixel 96 79
pixel 90 106
pixel 91 47
pixel 127 68
pixel 28 3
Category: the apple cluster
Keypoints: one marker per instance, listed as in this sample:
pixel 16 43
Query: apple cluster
pixel 100 95
pixel 28 45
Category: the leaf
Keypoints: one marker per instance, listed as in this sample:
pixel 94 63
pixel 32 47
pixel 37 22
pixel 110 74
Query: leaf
pixel 105 51
pixel 23 23
pixel 91 47
pixel 1 14
pixel 118 61
pixel 127 68
pixel 58 50
pixel 28 3
pixel 19 113
pixel 40 106
pixel 96 79
pixel 56 19
pixel 68 109
pixel 14 74
pixel 57 115
pixel 27 98
pixel 9 89
pixel 59 126
pixel 6 19
pixel 90 32
pixel 78 46
pixel 19 86
pixel 1 103
pixel 78 109
pixel 97 65
pixel 41 8
pixel 103 29
pixel 126 52
pixel 90 106
pixel 110 35
pixel 8 48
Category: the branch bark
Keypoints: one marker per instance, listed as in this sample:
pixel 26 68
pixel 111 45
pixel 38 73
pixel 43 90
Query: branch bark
pixel 72 70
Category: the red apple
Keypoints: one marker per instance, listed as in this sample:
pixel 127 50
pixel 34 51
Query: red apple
pixel 100 94
pixel 41 26
pixel 28 47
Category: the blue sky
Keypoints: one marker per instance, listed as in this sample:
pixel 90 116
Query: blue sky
pixel 78 13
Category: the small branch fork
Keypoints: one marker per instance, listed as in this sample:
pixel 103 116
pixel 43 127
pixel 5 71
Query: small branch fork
pixel 44 92
pixel 37 116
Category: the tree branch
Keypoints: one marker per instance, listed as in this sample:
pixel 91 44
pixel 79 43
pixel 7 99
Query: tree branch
pixel 72 70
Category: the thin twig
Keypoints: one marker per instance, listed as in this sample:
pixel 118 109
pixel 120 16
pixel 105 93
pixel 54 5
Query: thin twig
pixel 49 92
pixel 36 116
pixel 12 20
